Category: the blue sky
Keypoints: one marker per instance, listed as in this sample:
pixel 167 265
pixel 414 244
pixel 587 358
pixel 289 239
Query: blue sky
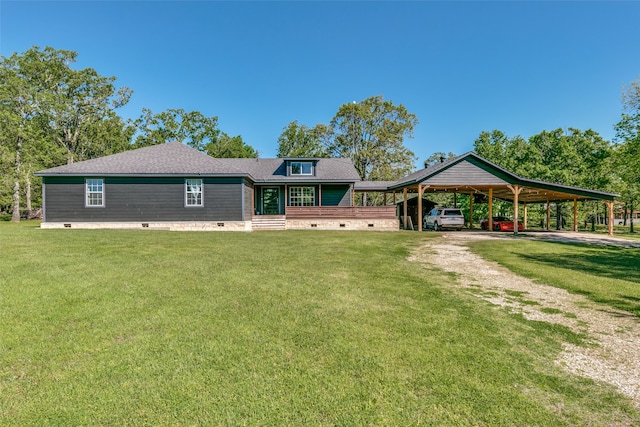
pixel 461 67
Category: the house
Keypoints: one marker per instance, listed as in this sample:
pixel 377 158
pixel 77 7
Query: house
pixel 175 187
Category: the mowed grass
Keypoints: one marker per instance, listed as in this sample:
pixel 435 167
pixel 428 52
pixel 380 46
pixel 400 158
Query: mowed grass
pixel 129 328
pixel 605 274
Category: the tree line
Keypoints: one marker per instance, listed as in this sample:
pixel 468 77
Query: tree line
pixel 52 113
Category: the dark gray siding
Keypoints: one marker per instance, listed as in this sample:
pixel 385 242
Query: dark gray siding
pixel 248 192
pixel 336 195
pixel 465 172
pixel 143 199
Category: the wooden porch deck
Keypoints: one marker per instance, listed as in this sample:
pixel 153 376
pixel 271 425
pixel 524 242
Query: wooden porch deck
pixel 341 212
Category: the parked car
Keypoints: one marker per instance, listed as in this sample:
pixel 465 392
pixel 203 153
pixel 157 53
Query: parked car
pixel 500 223
pixel 443 218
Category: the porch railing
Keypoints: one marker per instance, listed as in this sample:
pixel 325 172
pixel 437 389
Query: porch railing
pixel 364 212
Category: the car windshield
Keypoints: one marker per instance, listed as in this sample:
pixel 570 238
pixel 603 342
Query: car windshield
pixel 453 212
pixel 501 218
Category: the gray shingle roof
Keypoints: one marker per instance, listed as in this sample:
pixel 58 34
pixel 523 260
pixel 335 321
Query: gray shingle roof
pixel 175 158
pixel 274 170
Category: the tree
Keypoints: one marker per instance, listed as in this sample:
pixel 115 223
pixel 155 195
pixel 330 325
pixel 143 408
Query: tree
pixel 371 133
pixel 192 128
pixel 627 151
pixel 82 99
pixel 302 141
pixel 28 80
pixel 230 147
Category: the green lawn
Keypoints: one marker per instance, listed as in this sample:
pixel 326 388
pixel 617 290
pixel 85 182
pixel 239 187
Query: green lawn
pixel 129 328
pixel 605 274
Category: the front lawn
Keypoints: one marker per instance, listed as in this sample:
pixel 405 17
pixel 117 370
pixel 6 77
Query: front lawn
pixel 606 274
pixel 106 327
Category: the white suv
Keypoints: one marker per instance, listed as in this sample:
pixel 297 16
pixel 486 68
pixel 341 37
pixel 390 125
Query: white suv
pixel 443 218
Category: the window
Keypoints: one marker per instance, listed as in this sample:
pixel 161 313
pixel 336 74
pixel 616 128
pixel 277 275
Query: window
pixel 301 168
pixel 302 196
pixel 94 192
pixel 193 192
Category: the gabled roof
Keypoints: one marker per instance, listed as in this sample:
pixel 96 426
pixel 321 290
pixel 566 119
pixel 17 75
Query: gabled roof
pixel 471 172
pixel 274 170
pixel 173 158
pixel 177 159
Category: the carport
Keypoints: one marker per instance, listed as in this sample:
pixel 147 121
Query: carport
pixel 473 175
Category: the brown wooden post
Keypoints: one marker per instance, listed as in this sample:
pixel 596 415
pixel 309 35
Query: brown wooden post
pixel 470 210
pixel 404 191
pixel 575 214
pixel 419 207
pixel 548 215
pixel 286 198
pixel 490 209
pixel 524 215
pixel 610 219
pixel 384 198
pixel 320 195
pixel 515 189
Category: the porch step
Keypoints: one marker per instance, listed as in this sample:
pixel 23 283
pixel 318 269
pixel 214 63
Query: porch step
pixel 269 222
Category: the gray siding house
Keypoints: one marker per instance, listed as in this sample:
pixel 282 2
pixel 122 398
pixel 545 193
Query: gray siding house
pixel 173 186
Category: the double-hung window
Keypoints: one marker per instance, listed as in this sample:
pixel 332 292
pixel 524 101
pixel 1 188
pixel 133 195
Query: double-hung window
pixel 301 168
pixel 193 192
pixel 94 192
pixel 302 196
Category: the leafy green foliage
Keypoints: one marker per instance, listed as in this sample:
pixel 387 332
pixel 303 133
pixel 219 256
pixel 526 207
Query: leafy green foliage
pixel 301 141
pixel 371 134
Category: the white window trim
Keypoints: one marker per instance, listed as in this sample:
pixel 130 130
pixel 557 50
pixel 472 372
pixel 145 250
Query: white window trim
pixel 301 163
pixel 87 193
pixel 301 196
pixel 186 193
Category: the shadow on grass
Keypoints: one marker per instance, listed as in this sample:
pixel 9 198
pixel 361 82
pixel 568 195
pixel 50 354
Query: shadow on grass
pixel 610 262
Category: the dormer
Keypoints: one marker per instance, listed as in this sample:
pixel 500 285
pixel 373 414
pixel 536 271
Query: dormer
pixel 301 167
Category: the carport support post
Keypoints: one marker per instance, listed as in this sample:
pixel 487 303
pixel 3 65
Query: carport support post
pixel 470 210
pixel 524 215
pixel 610 217
pixel 490 209
pixel 575 214
pixel 515 189
pixel 404 225
pixel 419 207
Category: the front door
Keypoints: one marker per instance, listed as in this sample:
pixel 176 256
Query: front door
pixel 270 201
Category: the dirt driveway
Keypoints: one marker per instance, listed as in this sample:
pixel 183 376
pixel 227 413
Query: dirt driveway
pixel 615 357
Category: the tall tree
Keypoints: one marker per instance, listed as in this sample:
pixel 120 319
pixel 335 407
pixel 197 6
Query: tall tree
pixel 27 82
pixel 82 100
pixel 302 141
pixel 627 153
pixel 192 128
pixel 371 133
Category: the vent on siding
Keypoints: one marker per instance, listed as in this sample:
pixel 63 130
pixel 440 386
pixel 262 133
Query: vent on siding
pixel 67 226
pixel 342 225
pixel 145 225
pixel 221 224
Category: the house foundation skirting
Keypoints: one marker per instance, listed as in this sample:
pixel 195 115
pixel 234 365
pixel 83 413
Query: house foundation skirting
pixel 160 225
pixel 343 224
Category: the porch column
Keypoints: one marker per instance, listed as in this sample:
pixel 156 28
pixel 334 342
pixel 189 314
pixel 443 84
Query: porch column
pixel 320 195
pixel 610 219
pixel 419 207
pixel 253 201
pixel 384 198
pixel 286 198
pixel 548 215
pixel 524 215
pixel 471 210
pixel 490 209
pixel 575 214
pixel 515 189
pixel 404 191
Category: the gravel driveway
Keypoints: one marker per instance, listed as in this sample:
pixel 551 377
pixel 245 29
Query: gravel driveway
pixel 615 357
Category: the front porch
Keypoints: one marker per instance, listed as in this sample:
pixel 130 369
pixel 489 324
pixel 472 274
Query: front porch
pixel 330 218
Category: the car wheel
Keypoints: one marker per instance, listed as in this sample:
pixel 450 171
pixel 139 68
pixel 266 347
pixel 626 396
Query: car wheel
pixel 496 227
pixel 435 226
